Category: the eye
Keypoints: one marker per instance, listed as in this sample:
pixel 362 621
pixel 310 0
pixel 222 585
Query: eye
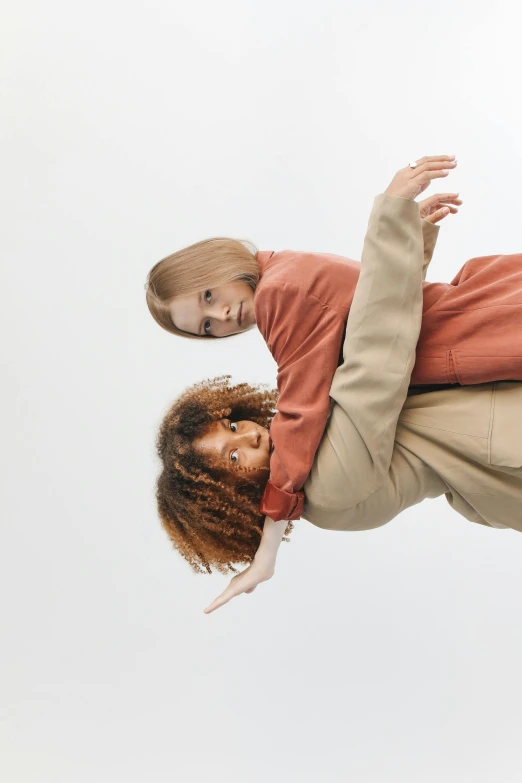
pixel 208 296
pixel 233 426
pixel 234 457
pixel 206 326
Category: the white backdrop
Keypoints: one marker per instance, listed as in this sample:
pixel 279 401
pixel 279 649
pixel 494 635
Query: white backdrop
pixel 129 131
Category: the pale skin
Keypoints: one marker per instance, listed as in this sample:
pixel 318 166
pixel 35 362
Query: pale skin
pixel 217 312
pixel 227 310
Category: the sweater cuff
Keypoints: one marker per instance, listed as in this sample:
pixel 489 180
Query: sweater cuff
pixel 278 504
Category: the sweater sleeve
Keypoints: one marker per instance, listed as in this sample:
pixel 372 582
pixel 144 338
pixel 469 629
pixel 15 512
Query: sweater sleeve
pixel 304 336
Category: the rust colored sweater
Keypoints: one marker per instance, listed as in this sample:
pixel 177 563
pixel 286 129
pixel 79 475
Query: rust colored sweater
pixel 471 333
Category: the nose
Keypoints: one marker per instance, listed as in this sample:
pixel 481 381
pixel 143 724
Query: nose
pixel 253 438
pixel 220 313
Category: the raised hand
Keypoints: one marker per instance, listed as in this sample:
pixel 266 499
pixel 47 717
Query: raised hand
pixel 411 182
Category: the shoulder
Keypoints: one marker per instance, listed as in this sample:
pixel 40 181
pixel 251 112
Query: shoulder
pixel 284 264
pixel 290 317
pixel 329 278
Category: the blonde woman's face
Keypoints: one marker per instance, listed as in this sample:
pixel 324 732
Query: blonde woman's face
pixel 242 444
pixel 217 312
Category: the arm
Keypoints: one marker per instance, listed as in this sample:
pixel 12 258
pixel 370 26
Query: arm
pixel 304 336
pixel 265 556
pixel 370 387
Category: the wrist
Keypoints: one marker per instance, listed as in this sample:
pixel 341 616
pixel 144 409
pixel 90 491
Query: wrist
pixel 265 555
pixel 393 192
pixel 263 571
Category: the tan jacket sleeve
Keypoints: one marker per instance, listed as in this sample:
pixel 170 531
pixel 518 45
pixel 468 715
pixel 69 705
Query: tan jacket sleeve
pixel 369 389
pixel 430 232
pixel 409 481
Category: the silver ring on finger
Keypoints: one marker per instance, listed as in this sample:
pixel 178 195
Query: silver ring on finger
pixel 412 164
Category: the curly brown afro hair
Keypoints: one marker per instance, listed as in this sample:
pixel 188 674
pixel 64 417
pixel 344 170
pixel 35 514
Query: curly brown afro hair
pixel 212 521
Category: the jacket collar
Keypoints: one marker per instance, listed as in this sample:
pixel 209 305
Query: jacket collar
pixel 262 257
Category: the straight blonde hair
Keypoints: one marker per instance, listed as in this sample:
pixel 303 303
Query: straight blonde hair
pixel 206 264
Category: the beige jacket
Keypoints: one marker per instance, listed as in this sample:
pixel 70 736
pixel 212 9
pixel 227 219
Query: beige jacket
pixel 383 451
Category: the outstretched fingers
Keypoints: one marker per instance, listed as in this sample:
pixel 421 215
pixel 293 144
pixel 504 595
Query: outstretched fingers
pixel 224 598
pixel 443 198
pixel 245 582
pixel 434 159
pixel 438 215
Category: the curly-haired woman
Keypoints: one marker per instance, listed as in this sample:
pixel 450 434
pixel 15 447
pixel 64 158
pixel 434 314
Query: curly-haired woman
pixel 382 450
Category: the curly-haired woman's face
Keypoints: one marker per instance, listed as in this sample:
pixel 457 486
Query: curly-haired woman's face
pixel 242 444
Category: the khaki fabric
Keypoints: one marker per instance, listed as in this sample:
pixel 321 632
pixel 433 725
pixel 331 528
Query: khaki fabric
pixel 383 451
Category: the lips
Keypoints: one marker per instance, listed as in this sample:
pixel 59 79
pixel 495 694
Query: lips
pixel 239 316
